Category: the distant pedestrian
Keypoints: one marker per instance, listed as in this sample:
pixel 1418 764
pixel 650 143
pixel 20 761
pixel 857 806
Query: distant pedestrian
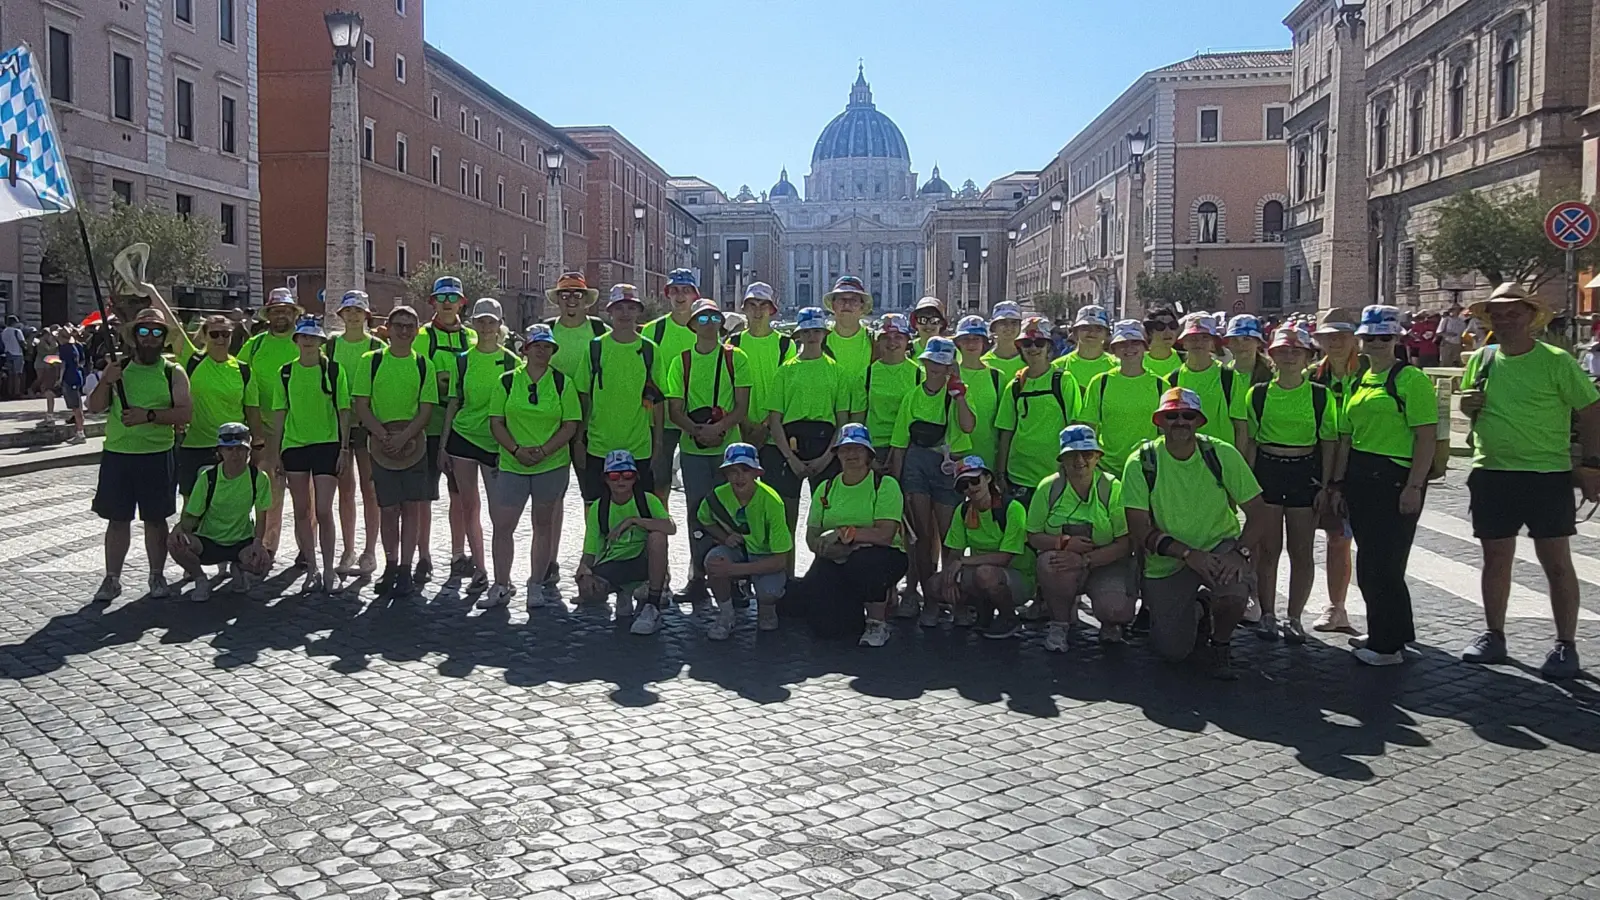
pixel 12 340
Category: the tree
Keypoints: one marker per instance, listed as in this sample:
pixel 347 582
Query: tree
pixel 1053 305
pixel 474 284
pixel 180 246
pixel 1187 290
pixel 1500 239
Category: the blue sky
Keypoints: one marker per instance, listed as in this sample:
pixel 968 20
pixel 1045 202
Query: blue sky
pixel 732 91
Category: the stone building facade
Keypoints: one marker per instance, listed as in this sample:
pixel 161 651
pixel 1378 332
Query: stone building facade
pixel 156 103
pixel 621 176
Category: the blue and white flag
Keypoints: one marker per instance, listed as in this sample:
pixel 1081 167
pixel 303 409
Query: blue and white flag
pixel 34 179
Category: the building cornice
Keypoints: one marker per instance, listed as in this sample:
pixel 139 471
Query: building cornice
pixel 468 80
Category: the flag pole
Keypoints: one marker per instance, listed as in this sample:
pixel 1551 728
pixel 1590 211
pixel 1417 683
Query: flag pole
pixel 94 279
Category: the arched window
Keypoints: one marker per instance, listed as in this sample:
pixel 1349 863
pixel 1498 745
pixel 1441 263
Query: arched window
pixel 1302 171
pixel 1510 57
pixel 1380 137
pixel 1419 120
pixel 1208 215
pixel 1272 221
pixel 1458 101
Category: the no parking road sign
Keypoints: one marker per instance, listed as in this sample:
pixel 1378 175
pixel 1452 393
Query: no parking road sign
pixel 1571 225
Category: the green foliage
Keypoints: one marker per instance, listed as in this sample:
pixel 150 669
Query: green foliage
pixel 180 247
pixel 1187 290
pixel 1499 239
pixel 475 285
pixel 1053 305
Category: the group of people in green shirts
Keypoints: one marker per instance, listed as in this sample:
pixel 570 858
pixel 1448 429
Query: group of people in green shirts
pixel 998 482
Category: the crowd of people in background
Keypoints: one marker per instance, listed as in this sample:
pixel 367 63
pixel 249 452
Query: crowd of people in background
pixel 981 473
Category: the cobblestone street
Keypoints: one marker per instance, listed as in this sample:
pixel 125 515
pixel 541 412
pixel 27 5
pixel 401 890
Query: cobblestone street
pixel 324 748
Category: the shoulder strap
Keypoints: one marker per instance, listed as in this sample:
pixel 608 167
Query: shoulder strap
pixel 461 376
pixel 1226 377
pixel 660 330
pixel 1057 488
pixel 555 375
pixel 1391 386
pixel 784 344
pixel 244 374
pixel 640 506
pixel 1172 377
pixel 733 340
pixel 1001 512
pixel 211 491
pixel 596 327
pixel 1319 405
pixel 603 515
pixel 422 371
pixel 1055 388
pixel 1147 463
pixel 373 343
pixel 193 363
pixel 506 378
pixel 827 350
pixel 870 367
pixel 719 512
pixel 1258 401
pixel 994 376
pixel 377 363
pixel 255 485
pixel 1208 453
pixel 433 340
pixel 1485 360
pixel 1102 488
pixel 685 360
pixel 594 365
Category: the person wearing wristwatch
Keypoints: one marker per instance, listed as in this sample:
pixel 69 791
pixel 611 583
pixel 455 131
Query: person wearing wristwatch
pixel 1182 493
pixel 1387 434
pixel 1521 394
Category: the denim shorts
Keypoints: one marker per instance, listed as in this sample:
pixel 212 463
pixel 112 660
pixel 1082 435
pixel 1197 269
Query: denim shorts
pixel 922 472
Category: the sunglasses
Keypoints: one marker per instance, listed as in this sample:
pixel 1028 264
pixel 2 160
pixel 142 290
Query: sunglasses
pixel 447 298
pixel 219 335
pixel 1034 343
pixel 621 476
pixel 967 484
pixel 1187 415
pixel 570 295
pixel 929 320
pixel 707 319
pixel 1378 338
pixel 1161 326
pixel 150 331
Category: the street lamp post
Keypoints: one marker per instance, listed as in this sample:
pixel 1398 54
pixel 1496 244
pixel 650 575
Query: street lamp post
pixel 950 280
pixel 738 281
pixel 554 159
pixel 641 277
pixel 716 277
pixel 345 263
pixel 688 254
pixel 1133 226
pixel 1011 262
pixel 983 281
pixel 1056 204
pixel 965 266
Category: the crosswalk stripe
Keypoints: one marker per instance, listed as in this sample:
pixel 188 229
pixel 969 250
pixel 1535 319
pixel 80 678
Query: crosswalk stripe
pixel 1587 567
pixel 29 546
pixel 22 518
pixel 50 498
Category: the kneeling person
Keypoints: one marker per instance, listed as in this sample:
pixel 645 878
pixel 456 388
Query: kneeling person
pixel 1181 493
pixel 620 554
pixel 987 564
pixel 746 519
pixel 222 523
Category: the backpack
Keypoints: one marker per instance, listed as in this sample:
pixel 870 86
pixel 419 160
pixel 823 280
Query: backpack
pixel 508 363
pixel 647 350
pixel 193 365
pixel 1017 393
pixel 1324 376
pixel 330 378
pixel 595 325
pixel 716 381
pixel 1319 405
pixel 877 482
pixel 1102 489
pixel 1226 377
pixel 433 342
pixel 1480 380
pixel 785 343
pixel 122 392
pixel 1441 447
pixel 641 508
pixel 422 366
pixel 660 329
pixel 533 386
pixel 1105 379
pixel 1148 457
pixel 211 490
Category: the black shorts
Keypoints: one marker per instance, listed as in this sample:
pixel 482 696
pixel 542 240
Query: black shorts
pixel 1503 503
pixel 461 448
pixel 431 460
pixel 592 477
pixel 317 459
pixel 621 573
pixel 215 554
pixel 136 482
pixel 1023 494
pixel 778 476
pixel 1291 482
pixel 190 460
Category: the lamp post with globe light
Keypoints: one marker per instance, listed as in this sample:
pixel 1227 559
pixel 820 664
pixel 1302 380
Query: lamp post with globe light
pixel 641 278
pixel 1133 225
pixel 965 267
pixel 716 276
pixel 554 158
pixel 344 266
pixel 983 281
pixel 1056 204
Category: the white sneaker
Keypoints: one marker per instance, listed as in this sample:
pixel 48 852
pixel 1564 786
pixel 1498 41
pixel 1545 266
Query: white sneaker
pixel 77 438
pixel 1334 618
pixel 1374 658
pixel 907 605
pixel 624 605
pixel 1056 638
pixel 536 595
pixel 109 590
pixel 1252 611
pixel 201 591
pixel 875 635
pixel 722 628
pixel 243 582
pixel 498 595
pixel 312 583
pixel 159 590
pixel 648 621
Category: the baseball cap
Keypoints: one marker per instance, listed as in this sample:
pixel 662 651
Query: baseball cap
pixel 540 333
pixel 812 317
pixel 488 307
pixel 446 284
pixel 1177 400
pixel 741 454
pixel 620 461
pixel 759 290
pixel 355 300
pixel 1079 438
pixel 1006 310
pixel 854 433
pixel 971 465
pixel 1090 316
pixel 621 293
pixel 233 434
pixel 928 304
pixel 1128 330
pixel 972 325
pixel 310 325
pixel 940 350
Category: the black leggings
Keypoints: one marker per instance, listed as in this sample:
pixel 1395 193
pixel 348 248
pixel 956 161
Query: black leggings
pixel 833 595
pixel 1372 487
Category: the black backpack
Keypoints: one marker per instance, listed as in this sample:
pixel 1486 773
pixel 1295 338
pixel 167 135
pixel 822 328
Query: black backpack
pixel 785 344
pixel 1017 393
pixel 1148 457
pixel 827 486
pixel 647 351
pixel 211 490
pixel 1319 405
pixel 726 362
pixel 122 392
pixel 508 363
pixel 595 325
pixel 1225 376
pixel 422 366
pixel 329 371
pixel 433 342
pixel 641 508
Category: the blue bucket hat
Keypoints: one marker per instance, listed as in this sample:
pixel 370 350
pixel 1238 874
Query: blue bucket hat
pixel 1080 438
pixel 682 278
pixel 974 326
pixel 620 461
pixel 854 433
pixel 940 350
pixel 447 284
pixel 740 454
pixel 355 300
pixel 1378 320
pixel 1090 316
pixel 1245 325
pixel 540 333
pixel 311 326
pixel 811 317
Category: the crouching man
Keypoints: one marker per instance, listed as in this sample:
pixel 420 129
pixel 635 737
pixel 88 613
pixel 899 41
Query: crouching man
pixel 224 520
pixel 747 521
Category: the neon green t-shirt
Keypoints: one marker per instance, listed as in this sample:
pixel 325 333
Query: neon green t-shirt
pixel 762 521
pixel 217 393
pixel 1188 503
pixel 1289 418
pixel 1008 367
pixel 1036 414
pixel 348 353
pixel 938 408
pixel 984 388
pixel 400 386
pixel 475 394
pixel 766 354
pixel 312 402
pixel 710 384
pixel 146 387
pixel 1340 387
pixel 989 537
pixel 1108 520
pixel 1162 367
pixel 441 347
pixel 886 386
pixel 265 353
pixel 1121 409
pixel 671 339
pixel 619 419
pixel 1373 419
pixel 631 542
pixel 815 390
pixel 227 520
pixel 1084 370
pixel 1526 421
pixel 835 504
pixel 572 342
pixel 1220 406
pixel 533 414
pixel 854 354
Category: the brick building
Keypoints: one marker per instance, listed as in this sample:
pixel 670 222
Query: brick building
pixel 450 166
pixel 156 103
pixel 622 177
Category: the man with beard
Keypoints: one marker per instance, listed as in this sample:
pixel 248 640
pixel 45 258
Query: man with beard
pixel 145 398
pixel 269 351
pixel 440 341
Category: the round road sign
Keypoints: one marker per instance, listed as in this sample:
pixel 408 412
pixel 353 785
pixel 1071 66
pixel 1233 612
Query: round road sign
pixel 1571 225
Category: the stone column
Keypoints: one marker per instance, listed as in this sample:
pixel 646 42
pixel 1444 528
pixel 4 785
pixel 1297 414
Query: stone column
pixel 1133 242
pixel 790 288
pixel 345 262
pixel 893 272
pixel 1347 269
pixel 553 249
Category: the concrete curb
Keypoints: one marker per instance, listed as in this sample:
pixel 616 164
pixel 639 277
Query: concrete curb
pixel 85 456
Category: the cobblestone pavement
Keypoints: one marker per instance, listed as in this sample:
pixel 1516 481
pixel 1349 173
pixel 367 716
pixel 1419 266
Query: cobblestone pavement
pixel 333 748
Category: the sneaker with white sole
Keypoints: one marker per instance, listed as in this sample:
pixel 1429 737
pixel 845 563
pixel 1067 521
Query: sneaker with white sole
pixel 1334 618
pixel 1057 638
pixel 201 592
pixel 1267 628
pixel 722 628
pixel 159 589
pixel 876 634
pixel 1371 657
pixel 1293 631
pixel 648 621
pixel 929 616
pixel 1488 648
pixel 109 590
pixel 1561 662
pixel 498 595
pixel 767 617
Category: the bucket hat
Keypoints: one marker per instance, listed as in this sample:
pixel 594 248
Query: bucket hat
pixel 574 281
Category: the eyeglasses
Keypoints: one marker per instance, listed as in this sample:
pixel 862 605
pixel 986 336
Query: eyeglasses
pixel 219 335
pixel 929 320
pixel 570 295
pixel 1185 415
pixel 621 476
pixel 967 484
pixel 402 326
pixel 150 331
pixel 707 319
pixel 1160 325
pixel 1033 343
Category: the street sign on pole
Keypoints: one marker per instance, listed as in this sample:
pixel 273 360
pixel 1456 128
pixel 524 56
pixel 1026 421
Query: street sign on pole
pixel 1572 227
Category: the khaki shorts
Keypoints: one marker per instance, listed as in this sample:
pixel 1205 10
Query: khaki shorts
pixel 1176 611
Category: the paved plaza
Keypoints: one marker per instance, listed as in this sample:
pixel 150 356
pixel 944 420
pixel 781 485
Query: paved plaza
pixel 329 748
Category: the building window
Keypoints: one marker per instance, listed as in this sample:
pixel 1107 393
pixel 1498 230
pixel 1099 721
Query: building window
pixel 477 258
pixel 1510 55
pixel 503 271
pixel 369 139
pixel 122 87
pixel 185 205
pixel 1294 284
pixel 1458 101
pixel 1210 125
pixel 1322 160
pixel 400 7
pixel 527 275
pixel 1208 214
pixel 1272 221
pixel 466 253
pixel 477 182
pixel 369 50
pixel 229 217
pixel 400 154
pixel 463 178
pixel 230 115
pixel 1419 119
pixel 463 120
pixel 522 150
pixel 1380 136
pixel 1272 295
pixel 183 11
pixel 1274 123
pixel 401 263
pixel 399 68
pixel 435 107
pixel 60 65
pixel 1302 171
pixel 1388 16
pixel 435 251
pixel 524 207
pixel 541 207
pixel 225 20
pixel 369 253
pixel 184 111
pixel 566 218
pixel 477 128
pixel 123 189
pixel 616 244
pixel 500 192
pixel 433 163
pixel 499 140
pixel 1408 266
pixel 580 221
